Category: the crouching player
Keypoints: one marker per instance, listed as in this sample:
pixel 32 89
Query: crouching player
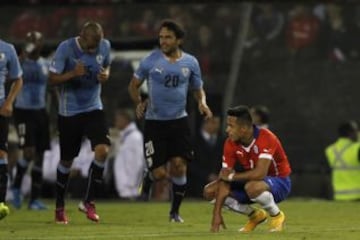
pixel 263 180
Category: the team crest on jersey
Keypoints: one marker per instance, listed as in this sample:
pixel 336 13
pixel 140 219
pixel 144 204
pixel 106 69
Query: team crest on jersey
pixel 2 56
pixel 185 71
pixel 256 149
pixel 99 59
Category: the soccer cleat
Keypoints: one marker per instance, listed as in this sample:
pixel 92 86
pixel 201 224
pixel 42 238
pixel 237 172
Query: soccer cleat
pixel 175 217
pixel 257 217
pixel 4 210
pixel 37 205
pixel 89 210
pixel 60 216
pixel 17 198
pixel 276 223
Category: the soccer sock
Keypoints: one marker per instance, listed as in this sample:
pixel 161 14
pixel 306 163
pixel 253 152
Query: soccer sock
pixel 36 177
pixel 146 185
pixel 3 179
pixel 62 176
pixel 266 200
pixel 235 206
pixel 21 167
pixel 95 179
pixel 178 193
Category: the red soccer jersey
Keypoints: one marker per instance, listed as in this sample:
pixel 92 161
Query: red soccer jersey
pixel 265 145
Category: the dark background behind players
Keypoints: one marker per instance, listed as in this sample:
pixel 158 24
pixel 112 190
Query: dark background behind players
pixel 309 84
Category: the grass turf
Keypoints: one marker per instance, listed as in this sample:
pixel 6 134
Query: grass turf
pixel 305 220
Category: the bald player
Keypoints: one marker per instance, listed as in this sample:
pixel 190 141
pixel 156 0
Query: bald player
pixel 79 67
pixel 31 119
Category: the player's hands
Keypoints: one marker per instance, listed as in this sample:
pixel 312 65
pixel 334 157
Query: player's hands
pixel 140 109
pixel 216 222
pixel 205 110
pixel 6 109
pixel 226 174
pixel 79 69
pixel 103 75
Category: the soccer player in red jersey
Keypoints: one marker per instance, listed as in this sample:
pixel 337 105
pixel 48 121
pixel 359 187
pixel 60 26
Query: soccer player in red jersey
pixel 255 170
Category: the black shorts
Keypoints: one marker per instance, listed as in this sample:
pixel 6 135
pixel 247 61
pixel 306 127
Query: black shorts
pixel 166 139
pixel 33 128
pixel 4 131
pixel 72 130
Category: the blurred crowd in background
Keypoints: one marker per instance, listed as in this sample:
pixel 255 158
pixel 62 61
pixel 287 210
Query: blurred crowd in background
pixel 288 35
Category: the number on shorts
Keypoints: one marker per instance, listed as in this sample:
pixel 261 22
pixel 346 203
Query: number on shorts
pixel 149 148
pixel 22 129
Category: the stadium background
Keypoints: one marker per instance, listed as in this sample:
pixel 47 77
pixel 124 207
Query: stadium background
pixel 309 86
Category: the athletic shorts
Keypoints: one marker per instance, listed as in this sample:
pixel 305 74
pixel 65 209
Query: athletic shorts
pixel 279 186
pixel 72 130
pixel 166 139
pixel 4 131
pixel 33 128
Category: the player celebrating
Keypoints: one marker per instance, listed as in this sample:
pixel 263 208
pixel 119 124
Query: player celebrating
pixel 263 180
pixel 9 69
pixel 170 72
pixel 80 66
pixel 31 120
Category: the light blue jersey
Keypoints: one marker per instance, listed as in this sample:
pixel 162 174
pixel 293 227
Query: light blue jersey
pixel 168 84
pixel 81 94
pixel 33 92
pixel 9 66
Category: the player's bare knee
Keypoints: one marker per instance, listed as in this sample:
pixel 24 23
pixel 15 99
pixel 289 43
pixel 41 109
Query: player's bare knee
pixel 178 167
pixel 101 152
pixel 254 188
pixel 159 174
pixel 210 190
pixel 209 193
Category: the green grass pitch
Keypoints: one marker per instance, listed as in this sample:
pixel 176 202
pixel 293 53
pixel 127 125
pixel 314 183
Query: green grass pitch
pixel 305 220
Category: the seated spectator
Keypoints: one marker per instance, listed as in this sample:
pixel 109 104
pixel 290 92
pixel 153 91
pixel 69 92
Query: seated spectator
pixel 146 27
pixel 267 24
pixel 28 19
pixel 302 30
pixel 335 34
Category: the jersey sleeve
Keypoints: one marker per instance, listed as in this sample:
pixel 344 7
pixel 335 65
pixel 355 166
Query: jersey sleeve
pixel 14 68
pixel 229 156
pixel 195 78
pixel 268 147
pixel 142 72
pixel 58 62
